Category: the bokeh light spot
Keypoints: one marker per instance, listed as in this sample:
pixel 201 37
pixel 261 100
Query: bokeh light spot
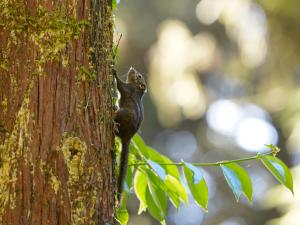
pixel 253 133
pixel 208 11
pixel 223 116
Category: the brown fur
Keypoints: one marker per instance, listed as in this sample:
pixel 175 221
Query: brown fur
pixel 129 117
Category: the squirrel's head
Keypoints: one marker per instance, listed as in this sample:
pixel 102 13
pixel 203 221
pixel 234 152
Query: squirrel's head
pixel 134 77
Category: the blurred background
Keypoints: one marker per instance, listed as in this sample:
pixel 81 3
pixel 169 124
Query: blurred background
pixel 223 81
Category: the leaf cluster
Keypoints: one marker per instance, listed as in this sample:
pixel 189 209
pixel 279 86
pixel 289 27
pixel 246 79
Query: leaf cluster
pixel 156 180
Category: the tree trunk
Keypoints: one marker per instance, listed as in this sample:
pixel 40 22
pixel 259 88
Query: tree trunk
pixel 56 139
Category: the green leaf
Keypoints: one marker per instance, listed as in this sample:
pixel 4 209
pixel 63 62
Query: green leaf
pixel 129 178
pixel 118 144
pixel 157 169
pixel 140 186
pixel 196 184
pixel 122 213
pixel 174 197
pixel 167 186
pixel 150 153
pixel 175 190
pixel 279 170
pixel 113 4
pixel 238 180
pixel 153 208
pixel 140 145
pixel 157 193
pixel 122 216
pixel 170 169
pixel 116 53
pixel 197 175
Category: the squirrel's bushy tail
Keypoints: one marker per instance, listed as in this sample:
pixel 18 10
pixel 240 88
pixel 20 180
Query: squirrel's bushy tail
pixel 123 167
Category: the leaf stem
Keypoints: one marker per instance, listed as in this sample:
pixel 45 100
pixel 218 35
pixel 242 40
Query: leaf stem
pixel 219 163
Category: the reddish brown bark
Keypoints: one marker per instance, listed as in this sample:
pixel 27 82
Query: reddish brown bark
pixel 56 141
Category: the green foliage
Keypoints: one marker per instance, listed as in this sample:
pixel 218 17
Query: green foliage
pixel 197 184
pixel 129 179
pixel 114 3
pixel 122 213
pixel 156 179
pixel 155 197
pixel 279 170
pixel 140 187
pixel 238 180
pixel 116 52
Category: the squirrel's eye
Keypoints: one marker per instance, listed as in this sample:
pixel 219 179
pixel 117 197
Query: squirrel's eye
pixel 139 76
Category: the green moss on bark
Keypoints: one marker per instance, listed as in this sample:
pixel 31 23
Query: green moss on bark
pixel 14 146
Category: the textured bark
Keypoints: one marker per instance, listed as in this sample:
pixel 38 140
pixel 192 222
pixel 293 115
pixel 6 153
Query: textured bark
pixel 56 141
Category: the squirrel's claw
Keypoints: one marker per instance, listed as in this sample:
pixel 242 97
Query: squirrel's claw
pixel 116 127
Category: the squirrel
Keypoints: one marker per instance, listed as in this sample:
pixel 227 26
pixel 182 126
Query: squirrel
pixel 128 117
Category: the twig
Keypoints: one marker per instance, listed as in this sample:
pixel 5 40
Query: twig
pixel 219 163
pixel 115 52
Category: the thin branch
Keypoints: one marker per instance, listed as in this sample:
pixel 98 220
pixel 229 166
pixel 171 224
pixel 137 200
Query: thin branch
pixel 219 163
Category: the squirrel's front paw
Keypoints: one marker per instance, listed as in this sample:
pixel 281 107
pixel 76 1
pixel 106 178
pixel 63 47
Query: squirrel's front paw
pixel 116 127
pixel 113 69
